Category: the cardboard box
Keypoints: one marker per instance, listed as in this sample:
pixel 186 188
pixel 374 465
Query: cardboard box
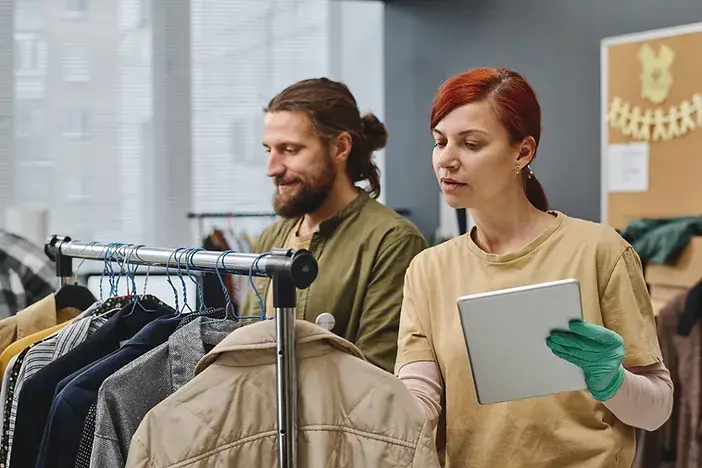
pixel 661 295
pixel 684 274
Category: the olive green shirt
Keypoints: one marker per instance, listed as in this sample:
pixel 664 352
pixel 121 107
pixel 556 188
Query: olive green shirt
pixel 362 253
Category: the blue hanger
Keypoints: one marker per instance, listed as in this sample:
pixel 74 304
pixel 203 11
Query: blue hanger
pixel 229 305
pixel 182 282
pixel 198 286
pixel 261 303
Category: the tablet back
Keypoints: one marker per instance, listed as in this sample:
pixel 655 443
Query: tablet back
pixel 505 333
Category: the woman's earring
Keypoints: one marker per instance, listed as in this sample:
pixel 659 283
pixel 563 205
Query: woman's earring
pixel 517 169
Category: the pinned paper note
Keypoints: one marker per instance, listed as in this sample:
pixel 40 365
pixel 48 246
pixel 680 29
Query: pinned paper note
pixel 627 167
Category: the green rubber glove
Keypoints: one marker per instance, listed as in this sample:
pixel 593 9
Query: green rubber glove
pixel 598 351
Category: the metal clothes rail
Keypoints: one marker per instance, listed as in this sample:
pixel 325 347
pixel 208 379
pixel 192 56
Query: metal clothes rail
pixel 288 269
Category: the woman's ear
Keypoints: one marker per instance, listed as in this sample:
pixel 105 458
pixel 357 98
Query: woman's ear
pixel 526 151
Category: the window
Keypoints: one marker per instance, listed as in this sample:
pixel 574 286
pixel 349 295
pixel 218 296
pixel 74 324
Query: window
pixel 75 8
pixel 243 53
pixel 238 146
pixel 144 13
pixel 75 64
pixel 30 54
pixel 77 126
pixel 29 121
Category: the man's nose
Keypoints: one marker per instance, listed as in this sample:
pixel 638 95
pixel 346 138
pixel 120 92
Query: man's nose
pixel 275 166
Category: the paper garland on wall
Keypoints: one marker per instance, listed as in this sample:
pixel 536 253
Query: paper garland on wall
pixel 655 124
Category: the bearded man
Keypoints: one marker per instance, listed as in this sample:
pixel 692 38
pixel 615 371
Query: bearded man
pixel 319 147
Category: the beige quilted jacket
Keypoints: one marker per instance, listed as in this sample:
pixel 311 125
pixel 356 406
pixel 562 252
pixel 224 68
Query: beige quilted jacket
pixel 351 413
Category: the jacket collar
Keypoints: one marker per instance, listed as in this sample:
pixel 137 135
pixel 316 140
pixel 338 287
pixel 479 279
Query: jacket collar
pixel 187 345
pixel 255 344
pixel 39 316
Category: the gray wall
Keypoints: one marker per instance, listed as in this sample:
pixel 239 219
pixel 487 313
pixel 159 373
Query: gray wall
pixel 554 43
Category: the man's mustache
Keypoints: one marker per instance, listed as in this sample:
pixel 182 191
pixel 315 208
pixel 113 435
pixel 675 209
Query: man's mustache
pixel 281 180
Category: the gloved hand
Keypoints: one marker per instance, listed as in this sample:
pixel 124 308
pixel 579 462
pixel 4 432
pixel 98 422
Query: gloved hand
pixel 598 351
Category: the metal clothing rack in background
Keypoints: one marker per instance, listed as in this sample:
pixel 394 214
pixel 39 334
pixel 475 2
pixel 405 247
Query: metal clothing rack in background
pixel 201 217
pixel 288 269
pixel 222 215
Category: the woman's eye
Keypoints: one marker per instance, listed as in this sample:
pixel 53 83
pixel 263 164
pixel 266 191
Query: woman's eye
pixel 439 144
pixel 472 145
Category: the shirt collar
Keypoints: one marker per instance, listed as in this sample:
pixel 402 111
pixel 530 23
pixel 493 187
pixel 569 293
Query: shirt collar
pixel 328 226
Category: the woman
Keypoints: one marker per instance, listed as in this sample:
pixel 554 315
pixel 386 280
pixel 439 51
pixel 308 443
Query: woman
pixel 486 124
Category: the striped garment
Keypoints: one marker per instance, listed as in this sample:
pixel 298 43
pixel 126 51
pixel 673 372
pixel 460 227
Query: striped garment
pixel 37 357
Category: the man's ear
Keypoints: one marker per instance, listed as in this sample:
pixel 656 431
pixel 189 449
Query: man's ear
pixel 526 151
pixel 341 147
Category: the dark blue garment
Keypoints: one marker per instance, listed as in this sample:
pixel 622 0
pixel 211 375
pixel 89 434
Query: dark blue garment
pixel 37 393
pixel 77 392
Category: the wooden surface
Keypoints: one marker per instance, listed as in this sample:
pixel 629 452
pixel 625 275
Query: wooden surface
pixel 675 165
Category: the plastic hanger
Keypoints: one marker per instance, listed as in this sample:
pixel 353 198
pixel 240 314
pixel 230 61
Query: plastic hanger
pixel 74 295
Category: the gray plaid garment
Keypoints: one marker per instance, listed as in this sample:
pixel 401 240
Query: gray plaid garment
pixel 128 394
pixel 26 274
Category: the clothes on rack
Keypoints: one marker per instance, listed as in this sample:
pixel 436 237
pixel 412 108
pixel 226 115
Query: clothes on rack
pixel 677 444
pixel 32 359
pixel 124 400
pixel 53 384
pixel 364 251
pixel 38 392
pixel 344 401
pixel 37 317
pixel 26 274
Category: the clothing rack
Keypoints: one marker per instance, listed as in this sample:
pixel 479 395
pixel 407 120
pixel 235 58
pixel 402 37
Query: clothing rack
pixel 201 217
pixel 288 269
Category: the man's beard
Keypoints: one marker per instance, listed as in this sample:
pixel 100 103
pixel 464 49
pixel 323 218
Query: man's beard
pixel 309 196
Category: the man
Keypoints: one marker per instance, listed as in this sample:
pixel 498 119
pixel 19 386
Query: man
pixel 319 147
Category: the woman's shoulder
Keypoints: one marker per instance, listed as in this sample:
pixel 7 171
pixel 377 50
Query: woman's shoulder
pixel 604 239
pixel 441 253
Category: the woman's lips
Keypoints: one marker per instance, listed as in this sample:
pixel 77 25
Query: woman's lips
pixel 451 185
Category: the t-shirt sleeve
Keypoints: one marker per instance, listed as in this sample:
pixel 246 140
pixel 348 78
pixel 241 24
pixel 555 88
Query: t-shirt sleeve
pixel 626 309
pixel 413 338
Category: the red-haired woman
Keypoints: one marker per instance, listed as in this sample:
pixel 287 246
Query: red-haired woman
pixel 486 124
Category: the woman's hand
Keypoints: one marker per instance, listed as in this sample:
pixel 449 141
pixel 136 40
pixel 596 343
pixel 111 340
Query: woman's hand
pixel 598 351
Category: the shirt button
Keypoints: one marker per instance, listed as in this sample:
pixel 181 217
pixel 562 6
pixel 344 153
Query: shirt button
pixel 326 321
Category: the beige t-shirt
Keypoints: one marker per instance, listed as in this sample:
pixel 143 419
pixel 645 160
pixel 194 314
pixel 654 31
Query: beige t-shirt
pixel 293 242
pixel 561 431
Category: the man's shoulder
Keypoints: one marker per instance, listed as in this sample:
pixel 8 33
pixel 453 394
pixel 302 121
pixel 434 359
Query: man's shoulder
pixel 378 219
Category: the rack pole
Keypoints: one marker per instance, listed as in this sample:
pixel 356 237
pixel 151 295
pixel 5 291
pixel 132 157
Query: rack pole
pixel 289 269
pixel 286 372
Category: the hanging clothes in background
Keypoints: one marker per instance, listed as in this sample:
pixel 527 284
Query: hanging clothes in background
pixel 678 443
pixel 26 274
pixel 661 240
pixel 212 289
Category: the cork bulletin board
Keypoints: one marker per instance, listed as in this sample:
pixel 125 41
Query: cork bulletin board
pixel 652 125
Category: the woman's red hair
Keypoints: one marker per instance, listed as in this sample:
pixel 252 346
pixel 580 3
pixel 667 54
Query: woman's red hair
pixel 514 102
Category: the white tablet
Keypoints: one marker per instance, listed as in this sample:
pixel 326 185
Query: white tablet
pixel 505 333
